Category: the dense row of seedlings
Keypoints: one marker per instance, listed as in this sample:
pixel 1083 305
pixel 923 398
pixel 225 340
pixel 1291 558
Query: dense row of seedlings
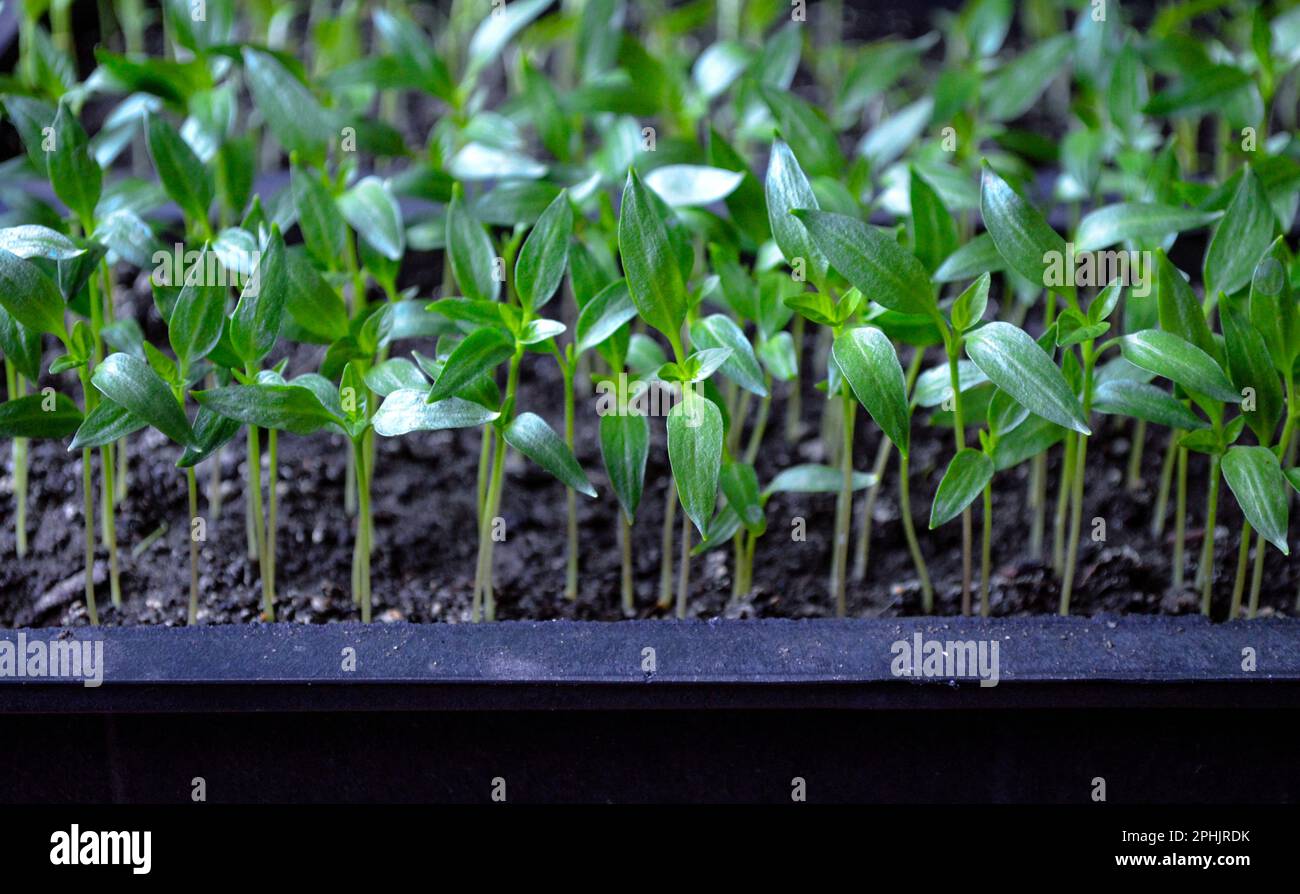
pixel 673 262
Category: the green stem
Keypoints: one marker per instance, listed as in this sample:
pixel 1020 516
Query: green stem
pixel 844 504
pixel 273 506
pixel 1080 471
pixel 362 553
pixel 1063 503
pixel 1135 454
pixel 88 508
pixel 986 550
pixel 19 449
pixel 1180 519
pixel 625 549
pixel 909 532
pixel 1166 482
pixel 1038 503
pixel 862 551
pixel 1257 578
pixel 1239 580
pixel 191 484
pixel 666 547
pixel 259 520
pixel 793 404
pixel 760 425
pixel 571 497
pixel 483 577
pixel 684 567
pixel 959 436
pixel 1207 552
pixel 484 470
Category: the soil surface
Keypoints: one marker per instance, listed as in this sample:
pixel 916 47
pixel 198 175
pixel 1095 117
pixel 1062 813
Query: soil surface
pixel 426 542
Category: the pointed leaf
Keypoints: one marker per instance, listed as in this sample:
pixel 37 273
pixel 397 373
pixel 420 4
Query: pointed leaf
pixel 1015 363
pixel 530 435
pixel 869 363
pixel 131 383
pixel 624 447
pixel 1256 479
pixel 968 474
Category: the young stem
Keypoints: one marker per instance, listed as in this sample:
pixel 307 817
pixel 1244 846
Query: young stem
pixel 1180 519
pixel 362 553
pixel 259 520
pixel 1063 503
pixel 959 436
pixel 1166 481
pixel 1038 502
pixel 1207 552
pixel 1239 580
pixel 483 577
pixel 862 551
pixel 1080 470
pixel 909 531
pixel 986 550
pixel 666 547
pixel 484 470
pixel 88 509
pixel 684 567
pixel 14 390
pixel 571 498
pixel 844 505
pixel 214 476
pixel 1135 454
pixel 760 425
pixel 625 549
pixel 273 505
pixel 793 404
pixel 1257 577
pixel 191 485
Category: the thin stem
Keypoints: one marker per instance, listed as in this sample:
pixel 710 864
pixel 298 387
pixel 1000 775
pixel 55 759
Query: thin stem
pixel 1037 497
pixel 1166 481
pixel 862 551
pixel 959 436
pixel 191 484
pixel 1063 503
pixel 259 520
pixel 1257 578
pixel 760 425
pixel 844 504
pixel 484 469
pixel 571 497
pixel 684 567
pixel 362 553
pixel 1135 454
pixel 1080 470
pixel 1180 519
pixel 909 531
pixel 273 505
pixel 625 549
pixel 666 547
pixel 1239 580
pixel 484 601
pixel 1207 553
pixel 88 510
pixel 214 477
pixel 986 550
pixel 793 404
pixel 19 450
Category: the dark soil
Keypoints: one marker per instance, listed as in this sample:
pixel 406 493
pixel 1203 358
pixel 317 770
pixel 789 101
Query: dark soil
pixel 426 541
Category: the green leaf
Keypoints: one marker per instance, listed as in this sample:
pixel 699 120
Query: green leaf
pixel 107 423
pixel 807 131
pixel 30 297
pixel 182 174
pixel 480 351
pixel 1178 360
pixel 973 259
pixel 323 229
pixel 255 324
pixel 373 212
pixel 497 29
pixel 530 435
pixel 690 185
pixel 395 375
pixel 20 346
pixel 1251 367
pixel 624 447
pixel 872 261
pixel 74 174
pixel 27 417
pixel 291 111
pixel 965 479
pixel 741 366
pixel 1016 86
pixel 1028 440
pixel 811 478
pixel 787 190
pixel 603 315
pixel 968 309
pixel 1142 400
pixel 1015 363
pixel 1021 233
pixel 293 408
pixel 1198 90
pixel 1255 477
pixel 407 410
pixel 740 485
pixel 1142 222
pixel 1180 312
pixel 934 230
pixel 196 320
pixel 470 250
pixel 32 241
pixel 540 267
pixel 653 276
pixel 695 432
pixel 313 305
pixel 131 383
pixel 1273 311
pixel 869 363
pixel 1241 238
